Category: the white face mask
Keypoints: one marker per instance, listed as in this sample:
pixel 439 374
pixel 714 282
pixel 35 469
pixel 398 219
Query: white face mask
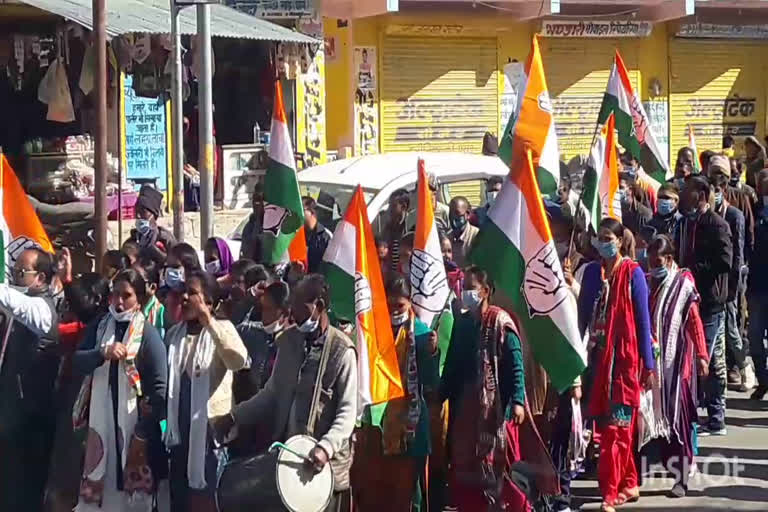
pixel 490 197
pixel 400 319
pixel 213 267
pixel 122 316
pixel 273 328
pixel 471 300
pixel 310 324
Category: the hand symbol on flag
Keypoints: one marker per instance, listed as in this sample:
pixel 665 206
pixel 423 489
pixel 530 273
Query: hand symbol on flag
pixel 428 282
pixel 18 246
pixel 544 286
pixel 274 216
pixel 363 299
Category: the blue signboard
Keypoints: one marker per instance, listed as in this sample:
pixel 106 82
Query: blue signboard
pixel 145 137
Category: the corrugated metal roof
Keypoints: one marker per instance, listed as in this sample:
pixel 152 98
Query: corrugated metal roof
pixel 153 16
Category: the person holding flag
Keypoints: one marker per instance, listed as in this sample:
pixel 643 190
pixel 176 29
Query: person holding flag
pixel 692 145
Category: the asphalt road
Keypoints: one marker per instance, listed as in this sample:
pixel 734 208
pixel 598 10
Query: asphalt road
pixel 733 469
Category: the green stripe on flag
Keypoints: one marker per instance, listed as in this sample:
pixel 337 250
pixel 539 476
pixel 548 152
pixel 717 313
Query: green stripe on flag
pixel 342 291
pixel 550 347
pixel 281 188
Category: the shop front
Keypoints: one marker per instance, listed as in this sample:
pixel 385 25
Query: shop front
pixel 718 86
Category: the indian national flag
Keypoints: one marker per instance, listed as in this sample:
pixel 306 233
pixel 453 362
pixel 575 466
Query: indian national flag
pixel 635 134
pixel 20 227
pixel 283 210
pixel 533 126
pixel 429 283
pixel 515 247
pixel 354 278
pixel 601 181
pixel 692 145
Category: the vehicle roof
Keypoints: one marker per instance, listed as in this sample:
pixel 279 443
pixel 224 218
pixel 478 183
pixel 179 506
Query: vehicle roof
pixel 376 171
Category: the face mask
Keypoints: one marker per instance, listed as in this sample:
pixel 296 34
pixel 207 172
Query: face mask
pixel 458 223
pixel 471 300
pixel 143 226
pixel 659 273
pixel 666 206
pixel 400 319
pixel 607 250
pixel 734 182
pixel 174 277
pixel 490 197
pixel 692 214
pixel 642 254
pixel 310 324
pixel 213 267
pixel 19 288
pixel 718 198
pixel 680 182
pixel 273 328
pixel 624 196
pixel 123 316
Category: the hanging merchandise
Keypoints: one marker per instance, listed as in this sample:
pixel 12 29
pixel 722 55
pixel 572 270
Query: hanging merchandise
pixel 88 71
pixel 46 89
pixel 288 62
pixel 60 107
pixel 142 48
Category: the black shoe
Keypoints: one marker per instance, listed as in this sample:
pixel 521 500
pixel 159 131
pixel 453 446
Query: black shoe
pixel 759 392
pixel 678 491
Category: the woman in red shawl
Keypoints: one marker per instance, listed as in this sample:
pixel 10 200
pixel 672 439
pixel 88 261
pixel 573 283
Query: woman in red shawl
pixel 614 297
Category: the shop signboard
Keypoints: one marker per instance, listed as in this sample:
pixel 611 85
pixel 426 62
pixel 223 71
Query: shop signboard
pixel 595 29
pixel 145 136
pixel 275 8
pixel 722 31
pixel 658 116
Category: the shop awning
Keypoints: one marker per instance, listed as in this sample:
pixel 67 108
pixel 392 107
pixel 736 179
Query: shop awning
pixel 153 16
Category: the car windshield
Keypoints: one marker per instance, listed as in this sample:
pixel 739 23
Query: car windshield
pixel 332 201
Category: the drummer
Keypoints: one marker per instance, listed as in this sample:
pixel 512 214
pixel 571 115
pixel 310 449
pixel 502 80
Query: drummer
pixel 203 353
pixel 287 402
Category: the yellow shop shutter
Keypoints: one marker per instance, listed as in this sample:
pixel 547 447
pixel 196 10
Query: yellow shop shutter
pixel 438 94
pixel 717 87
pixel 577 73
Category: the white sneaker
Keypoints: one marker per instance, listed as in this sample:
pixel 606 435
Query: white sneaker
pixel 748 380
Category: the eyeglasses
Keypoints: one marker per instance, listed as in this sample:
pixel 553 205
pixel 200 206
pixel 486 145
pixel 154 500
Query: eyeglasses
pixel 22 272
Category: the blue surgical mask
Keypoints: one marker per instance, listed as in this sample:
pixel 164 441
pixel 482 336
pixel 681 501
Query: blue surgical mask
pixel 624 195
pixel 458 223
pixel 143 226
pixel 666 206
pixel 607 250
pixel 692 214
pixel 659 273
pixel 642 254
pixel 310 324
pixel 174 277
pixel 718 198
pixel 471 300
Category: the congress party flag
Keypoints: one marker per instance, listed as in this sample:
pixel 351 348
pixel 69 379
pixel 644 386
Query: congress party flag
pixel 19 224
pixel 283 209
pixel 635 133
pixel 534 126
pixel 692 145
pixel 352 269
pixel 601 181
pixel 515 247
pixel 429 283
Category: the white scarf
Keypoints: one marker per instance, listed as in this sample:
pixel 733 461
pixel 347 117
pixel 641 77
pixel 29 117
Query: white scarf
pixel 100 411
pixel 201 350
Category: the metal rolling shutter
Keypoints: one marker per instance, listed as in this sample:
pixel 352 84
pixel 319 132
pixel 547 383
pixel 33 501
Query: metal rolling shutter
pixel 577 72
pixel 704 76
pixel 438 94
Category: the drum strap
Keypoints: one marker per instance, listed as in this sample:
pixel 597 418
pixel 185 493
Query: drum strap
pixel 318 385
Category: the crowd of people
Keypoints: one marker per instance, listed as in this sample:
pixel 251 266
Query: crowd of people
pixel 131 389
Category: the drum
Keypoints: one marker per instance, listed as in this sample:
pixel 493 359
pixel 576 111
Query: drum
pixel 276 481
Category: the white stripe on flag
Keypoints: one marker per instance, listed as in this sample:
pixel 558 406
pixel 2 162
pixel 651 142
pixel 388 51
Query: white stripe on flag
pixel 280 149
pixel 341 249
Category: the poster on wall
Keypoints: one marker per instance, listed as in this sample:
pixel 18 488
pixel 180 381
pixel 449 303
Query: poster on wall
pixel 314 112
pixel 366 101
pixel 146 137
pixel 658 116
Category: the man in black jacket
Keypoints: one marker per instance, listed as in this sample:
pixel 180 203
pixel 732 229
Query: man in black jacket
pixel 704 246
pixel 316 234
pixel 719 174
pixel 154 240
pixel 758 289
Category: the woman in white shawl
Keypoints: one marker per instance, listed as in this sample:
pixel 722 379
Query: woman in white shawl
pixel 203 353
pixel 122 402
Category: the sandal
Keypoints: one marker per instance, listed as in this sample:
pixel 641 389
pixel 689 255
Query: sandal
pixel 628 496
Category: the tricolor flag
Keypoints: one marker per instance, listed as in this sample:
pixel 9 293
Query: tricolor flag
pixel 20 228
pixel 283 209
pixel 353 272
pixel 692 145
pixel 429 283
pixel 515 247
pixel 635 134
pixel 533 126
pixel 601 181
